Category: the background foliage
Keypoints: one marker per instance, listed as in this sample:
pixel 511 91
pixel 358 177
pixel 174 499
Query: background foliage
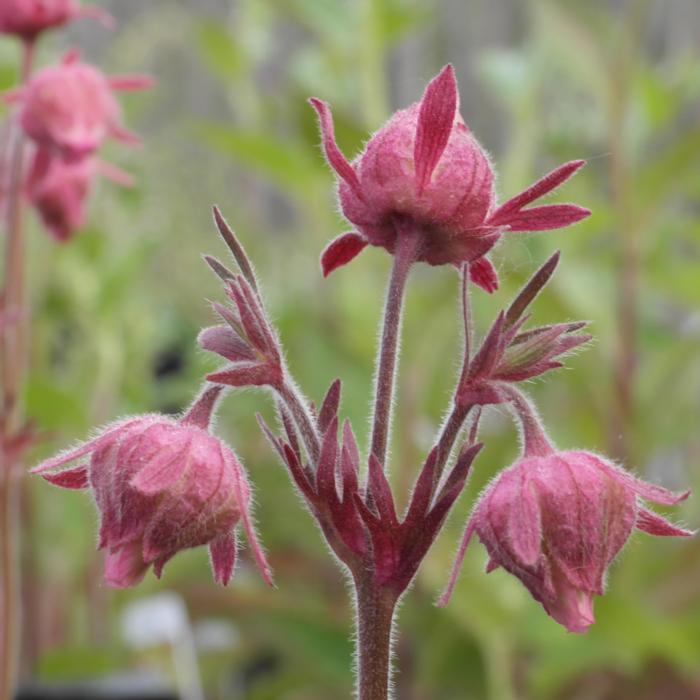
pixel 117 312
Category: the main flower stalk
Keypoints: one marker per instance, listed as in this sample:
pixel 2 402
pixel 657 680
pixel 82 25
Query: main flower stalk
pixel 13 337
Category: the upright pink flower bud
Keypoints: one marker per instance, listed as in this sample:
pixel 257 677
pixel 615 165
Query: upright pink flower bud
pixel 161 486
pixel 28 18
pixel 425 171
pixel 556 520
pixel 71 109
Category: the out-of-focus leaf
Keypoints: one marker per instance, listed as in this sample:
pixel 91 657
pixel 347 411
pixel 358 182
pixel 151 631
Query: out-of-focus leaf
pixel 288 165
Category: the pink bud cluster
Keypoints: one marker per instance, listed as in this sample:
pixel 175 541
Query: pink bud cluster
pixel 67 112
pixel 161 486
pixel 29 18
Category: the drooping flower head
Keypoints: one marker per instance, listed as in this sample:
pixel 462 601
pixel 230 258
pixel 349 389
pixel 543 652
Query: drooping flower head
pixel 162 485
pixel 557 520
pixel 71 109
pixel 28 18
pixel 425 171
pixel 59 189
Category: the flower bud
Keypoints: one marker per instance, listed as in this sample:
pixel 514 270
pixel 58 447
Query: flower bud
pixel 28 18
pixel 59 188
pixel 424 171
pixel 70 109
pixel 557 520
pixel 162 485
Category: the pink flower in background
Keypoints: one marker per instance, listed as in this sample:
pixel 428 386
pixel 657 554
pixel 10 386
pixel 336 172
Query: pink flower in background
pixel 557 520
pixel 28 18
pixel 59 189
pixel 162 485
pixel 424 170
pixel 71 109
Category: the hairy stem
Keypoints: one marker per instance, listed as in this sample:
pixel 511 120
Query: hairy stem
pixel 452 426
pixel 12 362
pixel 407 243
pixel 302 417
pixel 374 620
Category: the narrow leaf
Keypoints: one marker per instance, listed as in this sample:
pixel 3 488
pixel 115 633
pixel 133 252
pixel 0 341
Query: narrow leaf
pixel 531 289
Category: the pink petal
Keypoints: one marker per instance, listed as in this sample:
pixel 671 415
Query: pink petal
pixel 125 567
pixel 654 524
pixel 483 274
pixel 76 478
pixel 454 575
pixel 71 56
pixel 161 472
pixel 491 565
pixel 243 504
pixel 115 174
pixel 544 218
pixel 544 185
pixel 341 251
pixel 222 551
pixel 125 136
pixel 225 342
pixel 89 446
pixel 131 83
pixel 651 492
pixel 435 121
pixel 245 375
pixel 201 411
pixel 525 524
pixel 335 157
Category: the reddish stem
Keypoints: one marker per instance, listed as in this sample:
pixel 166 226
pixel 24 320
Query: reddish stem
pixel 375 608
pixel 407 244
pixel 12 365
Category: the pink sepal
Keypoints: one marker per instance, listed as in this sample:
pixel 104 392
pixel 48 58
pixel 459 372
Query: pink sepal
pixel 435 121
pixel 222 552
pixel 545 218
pixel 335 156
pixel 483 274
pixel 76 478
pixel 654 524
pixel 543 186
pixel 341 251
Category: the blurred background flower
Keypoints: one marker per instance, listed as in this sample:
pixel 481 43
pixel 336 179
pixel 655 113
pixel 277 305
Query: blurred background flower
pixel 118 311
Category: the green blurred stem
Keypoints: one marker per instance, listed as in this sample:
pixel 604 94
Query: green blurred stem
pixel 12 368
pixel 405 253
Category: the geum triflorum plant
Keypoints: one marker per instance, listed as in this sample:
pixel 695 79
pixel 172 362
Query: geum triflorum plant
pixel 423 189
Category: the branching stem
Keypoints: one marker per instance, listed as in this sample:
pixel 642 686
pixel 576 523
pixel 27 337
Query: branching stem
pixel 407 245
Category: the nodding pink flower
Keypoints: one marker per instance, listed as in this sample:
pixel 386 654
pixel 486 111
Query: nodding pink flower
pixel 162 485
pixel 425 171
pixel 556 520
pixel 71 109
pixel 28 18
pixel 59 189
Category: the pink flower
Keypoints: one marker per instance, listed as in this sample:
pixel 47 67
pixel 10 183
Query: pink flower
pixel 71 109
pixel 28 18
pixel 59 188
pixel 162 485
pixel 556 520
pixel 424 170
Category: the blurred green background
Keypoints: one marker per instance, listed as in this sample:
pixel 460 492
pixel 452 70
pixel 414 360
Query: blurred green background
pixel 117 312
